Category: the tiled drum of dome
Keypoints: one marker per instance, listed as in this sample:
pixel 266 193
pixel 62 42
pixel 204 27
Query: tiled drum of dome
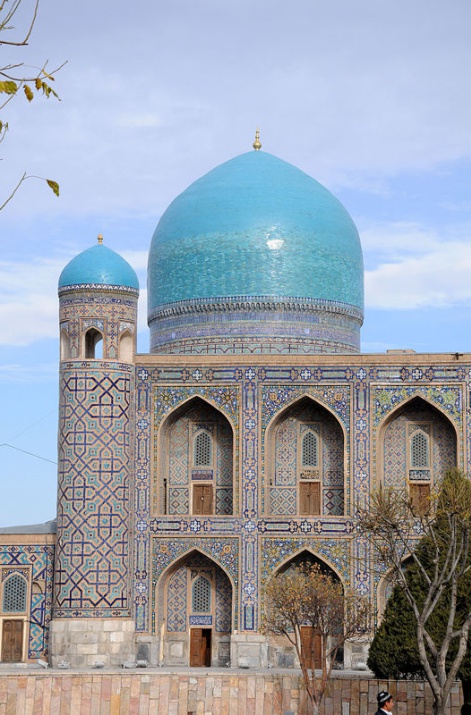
pixel 103 312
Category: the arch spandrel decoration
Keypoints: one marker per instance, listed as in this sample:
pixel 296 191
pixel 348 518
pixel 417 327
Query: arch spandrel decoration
pixel 448 399
pixel 224 553
pixel 335 398
pixel 167 399
pixel 276 552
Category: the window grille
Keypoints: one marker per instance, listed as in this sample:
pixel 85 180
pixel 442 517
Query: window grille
pixel 14 594
pixel 203 450
pixel 310 450
pixel 201 598
pixel 419 450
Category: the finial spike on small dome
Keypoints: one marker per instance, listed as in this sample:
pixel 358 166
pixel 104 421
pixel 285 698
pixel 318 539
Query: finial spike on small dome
pixel 100 238
pixel 257 145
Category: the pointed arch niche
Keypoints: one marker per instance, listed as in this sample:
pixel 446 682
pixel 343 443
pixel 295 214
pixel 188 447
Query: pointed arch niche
pixel 196 464
pixel 282 652
pixel 194 613
pixel 305 471
pixel 418 443
pixel 93 344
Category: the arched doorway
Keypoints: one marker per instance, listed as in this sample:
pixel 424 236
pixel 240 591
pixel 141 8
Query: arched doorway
pixel 305 613
pixel 197 613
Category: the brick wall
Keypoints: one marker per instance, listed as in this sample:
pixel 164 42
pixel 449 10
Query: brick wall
pixel 218 693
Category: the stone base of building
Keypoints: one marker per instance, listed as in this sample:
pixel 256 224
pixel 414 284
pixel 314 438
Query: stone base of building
pixel 248 651
pixel 92 642
pixel 355 655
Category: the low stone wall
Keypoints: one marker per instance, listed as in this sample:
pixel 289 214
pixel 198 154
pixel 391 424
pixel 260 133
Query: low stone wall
pixel 201 693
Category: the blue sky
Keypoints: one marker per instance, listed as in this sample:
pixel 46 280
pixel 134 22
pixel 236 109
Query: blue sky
pixel 371 98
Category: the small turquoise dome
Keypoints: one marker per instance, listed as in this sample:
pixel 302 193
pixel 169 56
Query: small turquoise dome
pixel 255 226
pixel 99 265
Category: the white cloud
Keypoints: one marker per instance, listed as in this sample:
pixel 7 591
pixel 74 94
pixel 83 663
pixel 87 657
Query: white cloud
pixel 28 306
pixel 418 268
pixel 399 239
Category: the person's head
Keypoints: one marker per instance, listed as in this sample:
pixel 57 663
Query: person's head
pixel 385 700
pixel 466 709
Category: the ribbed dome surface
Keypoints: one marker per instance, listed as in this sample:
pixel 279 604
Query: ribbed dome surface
pixel 255 226
pixel 99 265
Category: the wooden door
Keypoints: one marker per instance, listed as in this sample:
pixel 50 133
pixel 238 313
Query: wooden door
pixel 202 499
pixel 200 647
pixel 309 498
pixel 311 642
pixel 420 497
pixel 12 641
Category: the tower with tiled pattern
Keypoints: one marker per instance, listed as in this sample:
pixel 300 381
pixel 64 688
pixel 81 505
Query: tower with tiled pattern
pixel 92 620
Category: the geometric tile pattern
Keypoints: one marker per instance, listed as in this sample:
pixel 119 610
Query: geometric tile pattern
pixel 178 501
pixel 176 601
pixel 223 603
pixel 224 501
pixel 283 501
pixel 39 562
pixel 93 514
pixel 178 453
pixel 333 501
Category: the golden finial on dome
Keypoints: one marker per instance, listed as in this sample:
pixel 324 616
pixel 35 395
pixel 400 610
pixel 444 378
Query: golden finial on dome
pixel 256 145
pixel 100 238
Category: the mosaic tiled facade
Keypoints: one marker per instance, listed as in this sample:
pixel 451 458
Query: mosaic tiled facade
pixel 355 407
pixel 128 545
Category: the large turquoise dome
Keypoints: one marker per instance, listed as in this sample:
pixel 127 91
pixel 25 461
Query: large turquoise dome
pixel 99 266
pixel 255 239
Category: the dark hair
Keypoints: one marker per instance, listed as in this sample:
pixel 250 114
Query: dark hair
pixel 466 709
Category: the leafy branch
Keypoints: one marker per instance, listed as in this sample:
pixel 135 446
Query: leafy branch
pixel 15 80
